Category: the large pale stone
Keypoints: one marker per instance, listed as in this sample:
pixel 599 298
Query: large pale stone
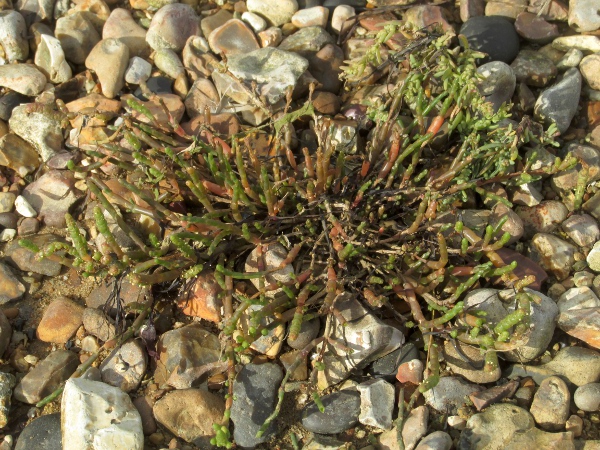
pixel 99 417
pixel 25 79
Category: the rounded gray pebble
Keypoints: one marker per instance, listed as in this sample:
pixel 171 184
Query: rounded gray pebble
pixel 341 413
pixel 587 397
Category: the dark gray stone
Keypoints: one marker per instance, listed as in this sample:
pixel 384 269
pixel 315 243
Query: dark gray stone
pixel 255 392
pixel 41 434
pixel 341 413
pixel 558 104
pixel 387 366
pixel 493 35
pixel 308 331
pixel 9 102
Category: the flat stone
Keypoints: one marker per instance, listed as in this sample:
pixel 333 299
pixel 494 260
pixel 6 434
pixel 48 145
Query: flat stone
pixel 543 218
pixel 553 254
pixel 271 37
pixel 535 28
pixel 190 414
pixel 572 58
pixel 168 62
pixel 424 16
pixel 341 412
pixel 550 407
pixel 388 365
pixel 307 41
pixel 186 356
pixel 413 429
pixel 25 260
pixel 233 38
pixel 125 366
pixel 60 321
pixel 42 433
pixel 204 299
pixel 311 17
pixel 144 405
pixel 52 196
pixel 377 398
pixel 533 68
pixel 576 365
pixel 525 267
pixel 584 324
pixel 308 331
pixel 96 415
pixel 483 399
pixel 578 298
pixel 171 27
pixel 255 390
pixel 138 70
pixel 585 43
pixel 473 370
pixel 46 376
pixel 277 12
pixel 450 394
pixel 210 23
pixel 495 36
pixel 273 256
pixel 25 79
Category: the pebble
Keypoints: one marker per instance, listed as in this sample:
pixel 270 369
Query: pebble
pixel 575 425
pixel 120 25
pixel 167 61
pixel 578 365
pixel 190 414
pixel 533 68
pixel 256 22
pixel 233 38
pixel 388 366
pixel 458 366
pixel 182 354
pixel 277 12
pixel 255 389
pixel 572 58
pixel 96 415
pixel 77 36
pixel 128 293
pixel 25 260
pixel 10 289
pixel 325 67
pixel 342 410
pixel 584 324
pixel 536 29
pixel 42 131
pixel 125 366
pixel 13 36
pixel 498 82
pixel 308 331
pixel 171 27
pixel 316 16
pixel 582 229
pixel 50 57
pixel 483 399
pixel 138 70
pixel 46 376
pixel 109 59
pixel 367 336
pixel 584 15
pixel 307 41
pixel 438 440
pixel 550 406
pixel 7 383
pixel 587 397
pixel 585 43
pixel 553 254
pixel 340 14
pixel 214 21
pixel 425 16
pixel 590 70
pixel 274 254
pixel 271 37
pixel 543 218
pixel 558 103
pixel 413 429
pixel 145 405
pixel 204 299
pixel 24 79
pixel 60 321
pixel 410 372
pixel 52 195
pixel 377 398
pixel 450 394
pixel 493 35
pixel 42 433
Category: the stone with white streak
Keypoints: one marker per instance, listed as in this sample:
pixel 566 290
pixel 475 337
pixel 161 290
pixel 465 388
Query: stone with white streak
pixel 376 403
pixel 100 417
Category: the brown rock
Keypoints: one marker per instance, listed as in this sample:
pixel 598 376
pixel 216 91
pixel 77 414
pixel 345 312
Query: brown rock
pixel 172 102
pixel 410 372
pixel 189 414
pixel 128 293
pixel 204 299
pixel 10 287
pixel 60 321
pixel 144 406
pixel 423 16
pixel 214 21
pixel 46 376
pixel 525 267
pixel 326 103
pixel 584 324
pixel 535 28
pixel 471 8
pixel 325 67
pixel 26 260
pixel 120 25
pixel 18 154
pixel 550 407
pixel 226 124
pixel 289 358
pixel 483 399
pixel 97 324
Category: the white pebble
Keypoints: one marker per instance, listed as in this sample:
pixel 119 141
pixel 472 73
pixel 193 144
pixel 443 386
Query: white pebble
pixel 340 14
pixel 138 70
pixel 24 208
pixel 8 234
pixel 256 22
